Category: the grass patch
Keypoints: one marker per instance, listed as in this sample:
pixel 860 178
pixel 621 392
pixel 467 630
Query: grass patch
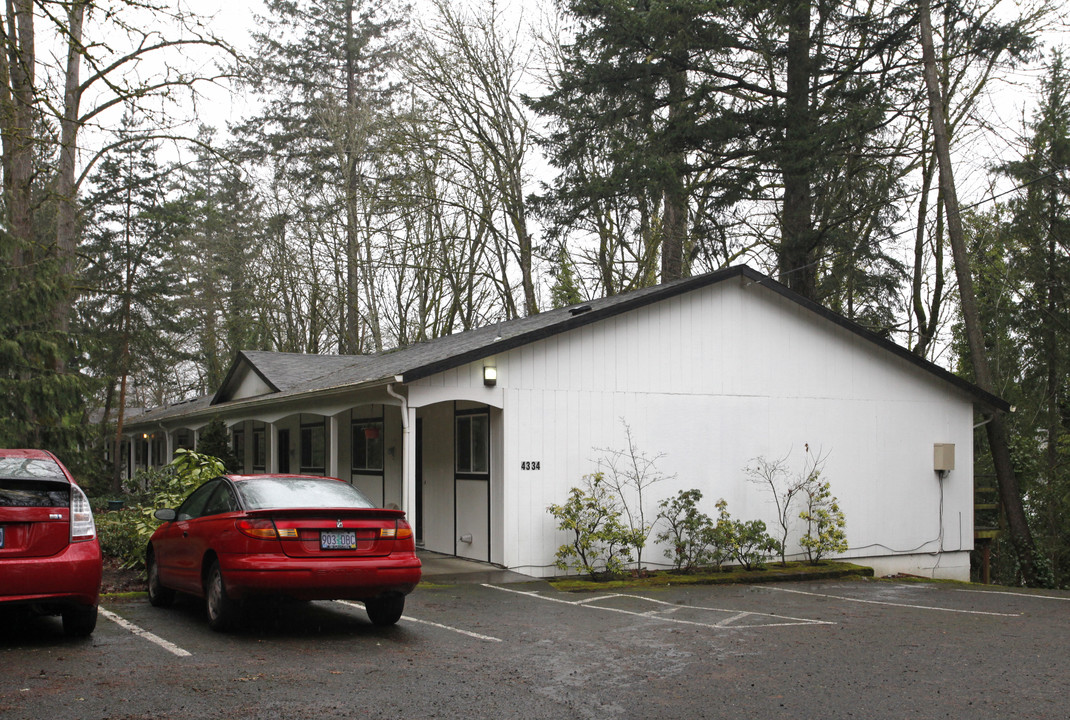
pixel 774 572
pixel 134 595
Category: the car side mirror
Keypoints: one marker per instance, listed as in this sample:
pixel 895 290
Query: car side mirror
pixel 165 514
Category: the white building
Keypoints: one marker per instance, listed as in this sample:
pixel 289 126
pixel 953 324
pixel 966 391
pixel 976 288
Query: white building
pixel 475 434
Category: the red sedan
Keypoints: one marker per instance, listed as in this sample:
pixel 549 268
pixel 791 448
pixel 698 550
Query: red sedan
pixel 50 558
pixel 305 537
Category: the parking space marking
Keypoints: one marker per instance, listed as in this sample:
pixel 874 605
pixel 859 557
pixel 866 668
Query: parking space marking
pixel 662 613
pixel 469 633
pixel 141 632
pixel 1015 594
pixel 904 605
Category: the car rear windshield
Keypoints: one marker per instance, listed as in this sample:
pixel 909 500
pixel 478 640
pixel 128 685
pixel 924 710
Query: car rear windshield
pixel 276 493
pixel 34 493
pixel 30 469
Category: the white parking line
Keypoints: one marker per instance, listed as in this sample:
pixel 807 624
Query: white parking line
pixel 904 605
pixel 672 607
pixel 469 633
pixel 1015 594
pixel 140 632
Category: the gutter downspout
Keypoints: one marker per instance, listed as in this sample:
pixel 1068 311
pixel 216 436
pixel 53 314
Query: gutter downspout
pixel 408 454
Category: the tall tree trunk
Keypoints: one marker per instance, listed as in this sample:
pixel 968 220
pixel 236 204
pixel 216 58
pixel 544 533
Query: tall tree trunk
pixel 18 185
pixel 66 190
pixel 351 342
pixel 674 225
pixel 1010 495
pixel 797 265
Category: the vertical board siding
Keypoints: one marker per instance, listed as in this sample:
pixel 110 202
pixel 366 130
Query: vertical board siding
pixel 713 379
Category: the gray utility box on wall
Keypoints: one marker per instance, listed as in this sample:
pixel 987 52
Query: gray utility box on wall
pixel 943 457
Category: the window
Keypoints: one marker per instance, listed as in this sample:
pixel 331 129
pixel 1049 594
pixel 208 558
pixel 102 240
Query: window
pixel 259 449
pixel 269 492
pixel 221 501
pixel 367 445
pixel 238 441
pixel 159 450
pixel 313 447
pixel 473 443
pixel 184 439
pixel 195 504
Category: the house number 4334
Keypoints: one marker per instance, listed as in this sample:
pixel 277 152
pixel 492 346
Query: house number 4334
pixel 530 465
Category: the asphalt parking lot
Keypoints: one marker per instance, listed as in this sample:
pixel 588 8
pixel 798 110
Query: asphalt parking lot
pixel 850 649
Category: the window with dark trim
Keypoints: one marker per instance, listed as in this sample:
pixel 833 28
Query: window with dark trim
pixel 238 442
pixel 313 447
pixel 472 438
pixel 159 450
pixel 368 445
pixel 259 449
pixel 184 439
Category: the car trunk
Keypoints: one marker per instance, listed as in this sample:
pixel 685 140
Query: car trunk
pixel 34 517
pixel 334 533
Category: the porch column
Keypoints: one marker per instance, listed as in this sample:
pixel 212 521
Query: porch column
pixel 168 448
pixel 272 448
pixel 332 447
pixel 131 458
pixel 408 464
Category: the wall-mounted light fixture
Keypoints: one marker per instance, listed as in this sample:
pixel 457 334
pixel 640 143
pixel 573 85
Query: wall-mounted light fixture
pixel 490 375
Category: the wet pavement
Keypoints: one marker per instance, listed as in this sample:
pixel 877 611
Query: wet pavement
pixel 469 648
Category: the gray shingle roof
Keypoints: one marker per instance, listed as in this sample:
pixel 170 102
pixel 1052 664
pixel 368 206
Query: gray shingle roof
pixel 295 374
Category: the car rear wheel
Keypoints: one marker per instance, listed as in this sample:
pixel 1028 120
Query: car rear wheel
pixel 385 610
pixel 79 620
pixel 159 596
pixel 222 611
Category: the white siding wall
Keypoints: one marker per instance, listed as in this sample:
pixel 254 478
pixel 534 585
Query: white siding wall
pixel 713 379
pixel 438 477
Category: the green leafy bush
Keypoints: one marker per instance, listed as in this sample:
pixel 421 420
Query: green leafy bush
pixel 748 542
pixel 826 526
pixel 118 533
pixel 124 534
pixel 600 543
pixel 694 541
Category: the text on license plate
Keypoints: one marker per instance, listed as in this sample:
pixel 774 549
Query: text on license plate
pixel 338 540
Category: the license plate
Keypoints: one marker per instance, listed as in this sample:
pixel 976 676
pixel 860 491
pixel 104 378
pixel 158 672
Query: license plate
pixel 1 537
pixel 338 540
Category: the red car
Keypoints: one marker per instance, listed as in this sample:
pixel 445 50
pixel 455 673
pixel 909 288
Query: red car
pixel 305 537
pixel 50 558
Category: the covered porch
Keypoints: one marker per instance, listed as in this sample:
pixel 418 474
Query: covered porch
pixel 435 454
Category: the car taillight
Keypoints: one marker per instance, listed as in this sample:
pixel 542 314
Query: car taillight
pixel 259 529
pixel 82 525
pixel 400 531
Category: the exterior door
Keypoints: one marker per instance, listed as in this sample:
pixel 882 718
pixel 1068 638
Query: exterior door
pixel 471 484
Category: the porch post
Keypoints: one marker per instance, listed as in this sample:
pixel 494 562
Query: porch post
pixel 408 465
pixel 168 448
pixel 272 448
pixel 332 444
pixel 131 458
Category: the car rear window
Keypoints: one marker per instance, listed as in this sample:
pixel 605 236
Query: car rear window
pixel 275 493
pixel 30 469
pixel 34 493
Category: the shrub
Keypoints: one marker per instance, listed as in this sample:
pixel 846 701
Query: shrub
pixel 629 473
pixel 748 542
pixel 691 535
pixel 125 534
pixel 119 536
pixel 600 543
pixel 826 526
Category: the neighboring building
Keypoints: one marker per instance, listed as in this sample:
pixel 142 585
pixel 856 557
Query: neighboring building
pixel 475 434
